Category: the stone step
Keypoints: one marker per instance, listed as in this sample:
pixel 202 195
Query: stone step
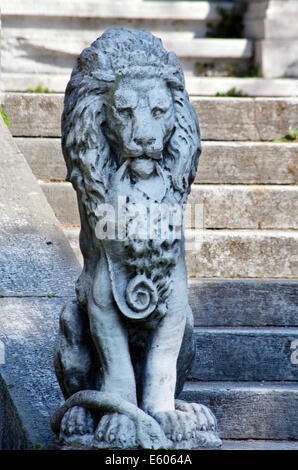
pixel 246 354
pixel 127 9
pixel 220 162
pixel 242 253
pixel 233 254
pixel 249 410
pixel 251 444
pixel 62 198
pixel 248 163
pixel 243 302
pixel 245 207
pixel 202 86
pixel 209 86
pixel 182 26
pixel 46 56
pixel 217 206
pixel 38 115
pixel 182 43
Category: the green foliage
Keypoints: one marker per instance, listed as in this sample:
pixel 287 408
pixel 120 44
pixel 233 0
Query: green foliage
pixel 230 24
pixel 237 71
pixel 51 295
pixel 291 136
pixel 37 446
pixel 232 93
pixel 39 89
pixel 203 68
pixel 5 118
pixel 255 72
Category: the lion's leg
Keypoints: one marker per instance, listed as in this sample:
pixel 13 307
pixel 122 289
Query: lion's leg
pixel 160 372
pixel 111 343
pixel 110 337
pixel 178 423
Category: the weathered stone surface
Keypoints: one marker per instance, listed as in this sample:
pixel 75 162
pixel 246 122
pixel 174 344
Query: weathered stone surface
pixel 34 115
pixel 44 156
pixel 220 118
pixel 220 162
pixel 72 235
pixel 232 118
pixel 235 253
pixel 246 118
pixel 37 272
pixel 200 86
pixel 279 19
pixel 126 9
pixel 29 227
pixel 225 207
pixel 248 163
pixel 278 57
pixel 225 302
pixel 63 200
pixel 246 207
pixel 31 393
pixel 259 445
pixel 12 433
pixel 249 410
pixel 203 86
pixel 28 51
pixel 252 354
pixel 206 48
pixel 273 24
pixel 243 253
pixel 29 40
pixel 275 116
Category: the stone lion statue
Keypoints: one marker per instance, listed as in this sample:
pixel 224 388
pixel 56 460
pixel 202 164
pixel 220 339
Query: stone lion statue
pixel 131 143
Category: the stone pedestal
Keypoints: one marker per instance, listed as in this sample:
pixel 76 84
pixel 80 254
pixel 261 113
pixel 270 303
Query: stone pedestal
pixel 273 23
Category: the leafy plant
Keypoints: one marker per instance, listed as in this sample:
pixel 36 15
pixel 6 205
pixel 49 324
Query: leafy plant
pixel 5 118
pixel 255 72
pixel 232 93
pixel 230 24
pixel 51 295
pixel 291 136
pixel 37 446
pixel 39 89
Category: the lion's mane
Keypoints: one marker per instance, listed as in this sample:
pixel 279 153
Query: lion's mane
pixel 89 158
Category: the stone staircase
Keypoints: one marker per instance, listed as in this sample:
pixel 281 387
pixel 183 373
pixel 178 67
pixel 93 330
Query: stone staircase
pixel 32 56
pixel 243 265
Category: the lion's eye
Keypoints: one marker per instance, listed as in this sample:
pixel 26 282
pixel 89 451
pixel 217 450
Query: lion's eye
pixel 157 112
pixel 125 112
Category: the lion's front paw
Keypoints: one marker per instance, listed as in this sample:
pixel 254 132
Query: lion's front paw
pixel 203 417
pixel 115 430
pixel 177 425
pixel 77 426
pixel 191 425
pixel 119 431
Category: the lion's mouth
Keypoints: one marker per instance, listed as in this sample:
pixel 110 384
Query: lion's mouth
pixel 151 154
pixel 142 167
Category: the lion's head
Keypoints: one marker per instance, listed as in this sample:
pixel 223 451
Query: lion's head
pixel 126 100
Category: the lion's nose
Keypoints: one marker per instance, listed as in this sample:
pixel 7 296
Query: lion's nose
pixel 143 141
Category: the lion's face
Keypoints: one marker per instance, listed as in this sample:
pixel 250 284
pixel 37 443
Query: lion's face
pixel 140 120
